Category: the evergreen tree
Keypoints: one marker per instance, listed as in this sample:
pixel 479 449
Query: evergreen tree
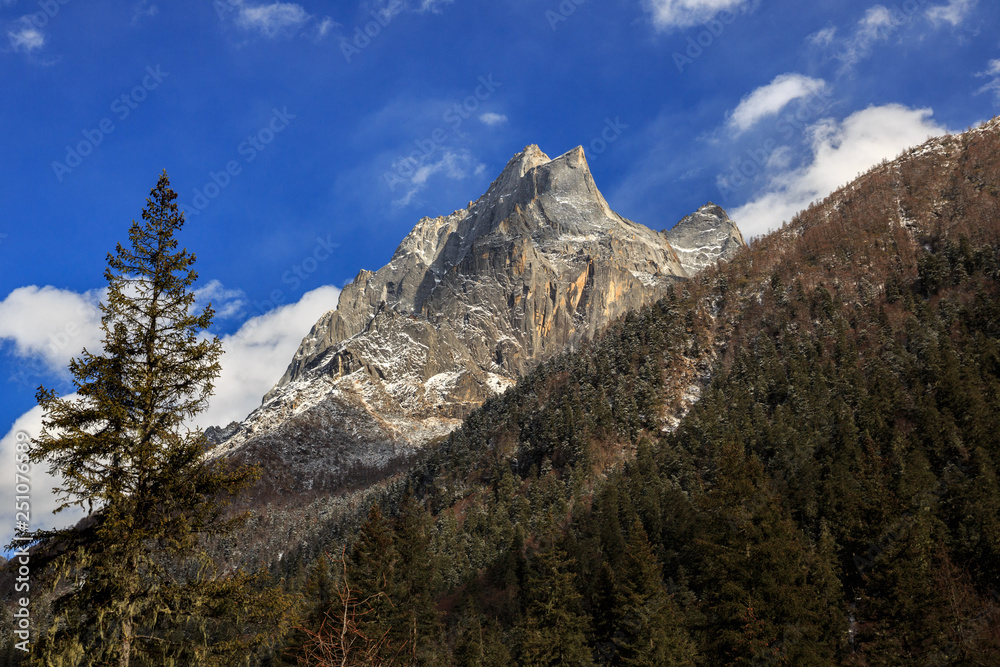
pixel 372 575
pixel 556 629
pixel 415 618
pixel 649 627
pixel 135 583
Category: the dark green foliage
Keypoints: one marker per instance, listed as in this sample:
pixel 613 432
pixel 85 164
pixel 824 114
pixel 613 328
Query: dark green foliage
pixel 555 628
pixel 649 629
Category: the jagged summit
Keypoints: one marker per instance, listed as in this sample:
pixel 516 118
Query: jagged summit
pixel 704 237
pixel 538 208
pixel 468 303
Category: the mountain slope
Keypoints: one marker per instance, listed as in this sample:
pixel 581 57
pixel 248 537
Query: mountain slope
pixel 831 499
pixel 467 304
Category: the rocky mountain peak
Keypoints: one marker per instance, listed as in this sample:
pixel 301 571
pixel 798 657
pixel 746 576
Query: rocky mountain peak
pixel 468 303
pixel 704 237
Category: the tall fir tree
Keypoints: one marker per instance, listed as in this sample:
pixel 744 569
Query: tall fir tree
pixel 132 582
pixel 415 618
pixel 649 626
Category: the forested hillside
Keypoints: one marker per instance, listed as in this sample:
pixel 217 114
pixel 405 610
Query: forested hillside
pixel 832 498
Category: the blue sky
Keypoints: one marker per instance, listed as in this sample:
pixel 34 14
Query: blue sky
pixel 306 139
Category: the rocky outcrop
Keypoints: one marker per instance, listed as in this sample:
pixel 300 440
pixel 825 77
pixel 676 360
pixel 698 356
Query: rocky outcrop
pixel 468 302
pixel 705 237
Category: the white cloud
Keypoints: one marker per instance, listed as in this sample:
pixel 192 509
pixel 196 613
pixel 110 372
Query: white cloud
pixel 670 14
pixel 26 39
pixel 770 99
pixel 824 37
pixel 878 23
pixel 51 325
pixel 257 355
pixel 144 8
pixel 840 151
pixel 390 8
pixel 277 19
pixel 955 12
pixel 493 119
pixel 274 19
pixel 325 26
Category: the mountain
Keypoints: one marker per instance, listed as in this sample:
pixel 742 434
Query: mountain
pixel 468 303
pixel 704 237
pixel 831 495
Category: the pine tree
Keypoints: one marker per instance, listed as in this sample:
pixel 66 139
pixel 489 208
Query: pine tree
pixel 136 584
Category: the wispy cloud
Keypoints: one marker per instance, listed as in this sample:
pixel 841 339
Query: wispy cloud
pixel 839 152
pixel 144 9
pixel 274 19
pixel 432 5
pixel 493 119
pixel 771 99
pixel 673 14
pixel 227 303
pixel 993 73
pixel 876 26
pixel 396 7
pixel 955 12
pixel 26 38
pixel 880 22
pixel 454 165
pixel 325 26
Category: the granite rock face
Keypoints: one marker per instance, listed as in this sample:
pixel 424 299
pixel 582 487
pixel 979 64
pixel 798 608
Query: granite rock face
pixel 468 302
pixel 705 237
